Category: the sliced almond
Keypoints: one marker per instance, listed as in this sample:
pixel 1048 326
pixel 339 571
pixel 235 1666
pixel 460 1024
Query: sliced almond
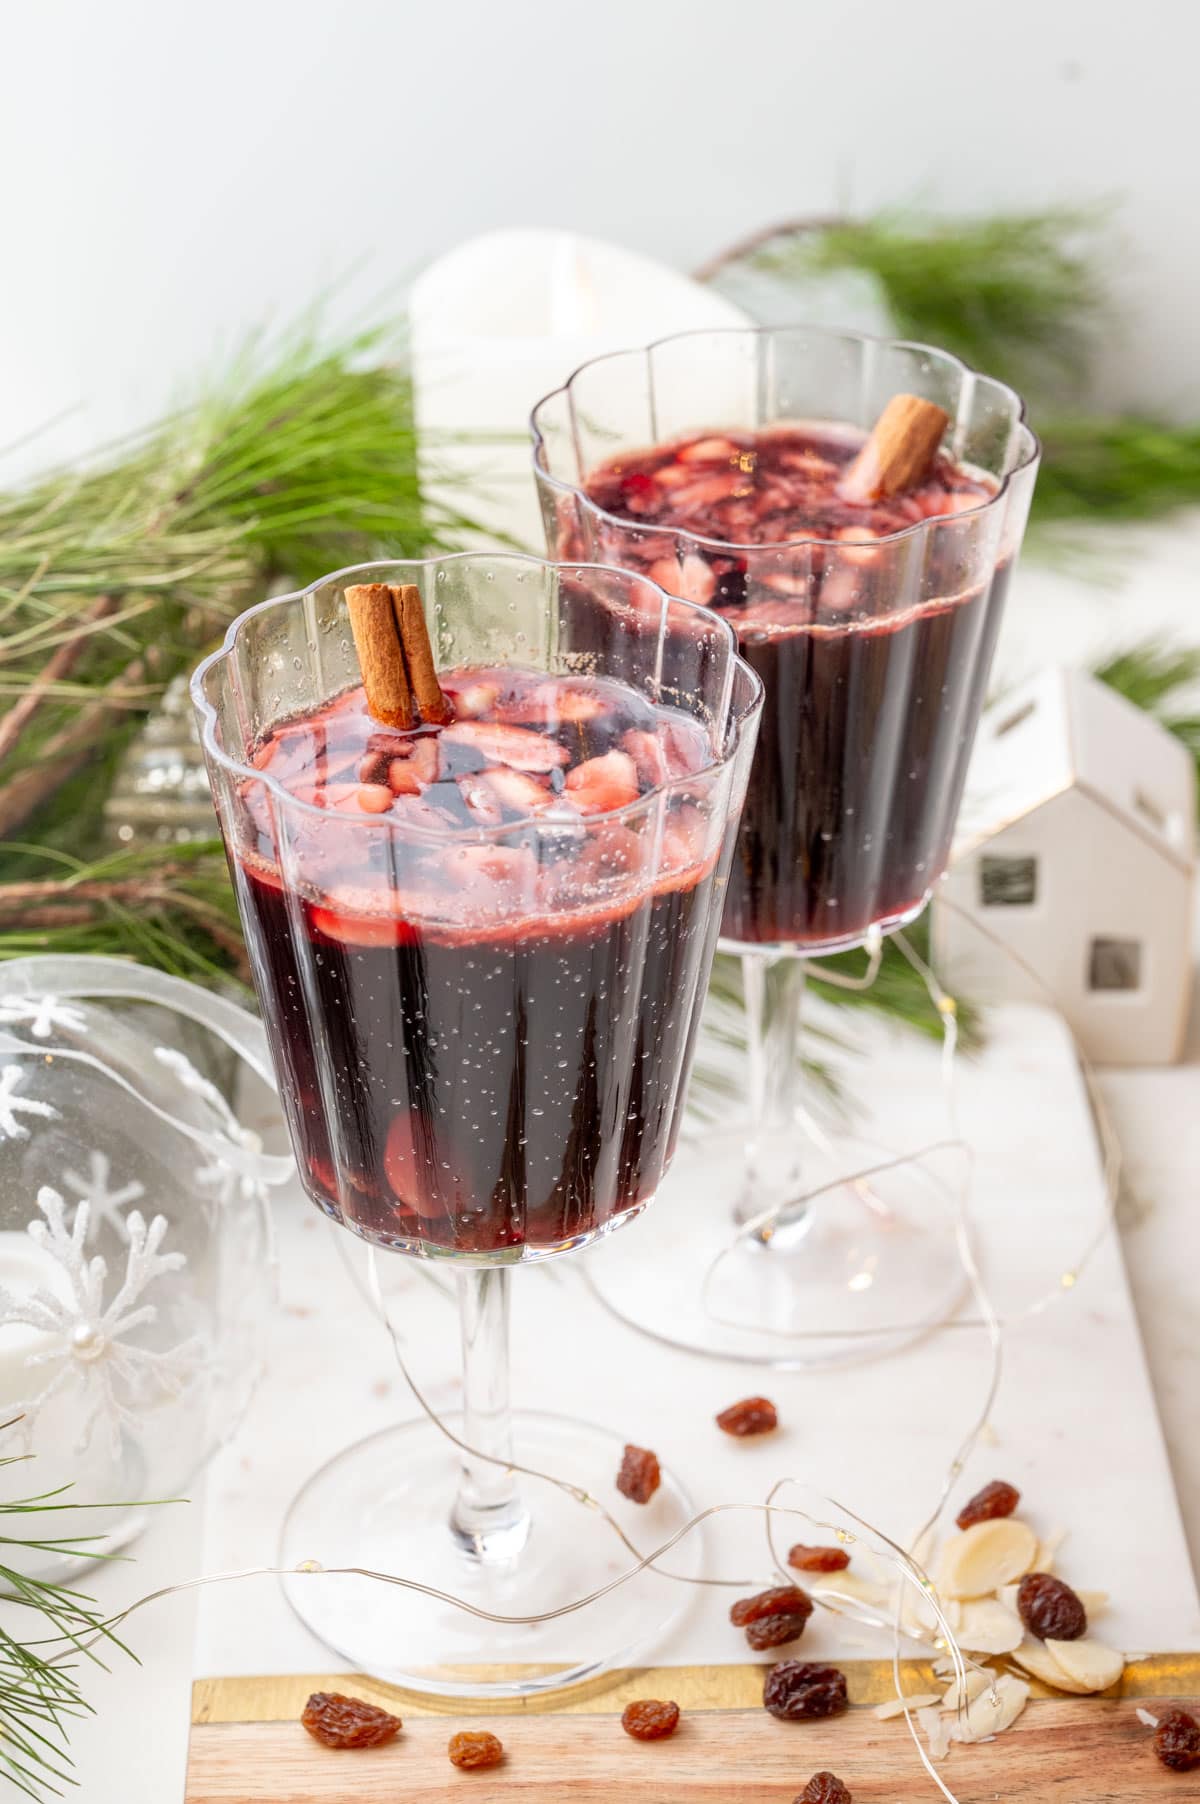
pixel 1144 1716
pixel 1036 1658
pixel 1089 1663
pixel 937 1732
pixel 1094 1602
pixel 920 1700
pixel 995 1709
pixel 1048 1551
pixel 849 1587
pixel 986 1556
pixel 988 1627
pixel 1007 1595
pixel 977 1678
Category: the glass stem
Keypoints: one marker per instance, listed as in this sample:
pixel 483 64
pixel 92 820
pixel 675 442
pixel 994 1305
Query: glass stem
pixel 773 986
pixel 489 1519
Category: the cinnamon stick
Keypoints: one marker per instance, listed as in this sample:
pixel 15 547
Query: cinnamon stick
pixel 376 629
pixel 418 655
pixel 899 453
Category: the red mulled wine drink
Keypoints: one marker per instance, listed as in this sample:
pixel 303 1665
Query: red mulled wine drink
pixel 480 940
pixel 869 710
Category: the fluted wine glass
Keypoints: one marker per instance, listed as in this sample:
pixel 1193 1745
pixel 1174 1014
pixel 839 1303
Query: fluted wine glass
pixel 480 948
pixel 719 463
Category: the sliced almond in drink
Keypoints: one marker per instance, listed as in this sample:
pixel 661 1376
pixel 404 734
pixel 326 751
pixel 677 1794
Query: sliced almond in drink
pixel 1037 1659
pixel 920 1700
pixel 988 1627
pixel 987 1555
pixel 1091 1665
pixel 995 1709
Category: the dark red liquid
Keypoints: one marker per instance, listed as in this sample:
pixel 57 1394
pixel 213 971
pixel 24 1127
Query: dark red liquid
pixel 874 658
pixel 485 1047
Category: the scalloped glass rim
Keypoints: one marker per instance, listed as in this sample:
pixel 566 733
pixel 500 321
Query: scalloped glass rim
pixel 1030 451
pixel 736 722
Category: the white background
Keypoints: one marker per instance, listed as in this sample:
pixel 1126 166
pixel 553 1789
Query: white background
pixel 173 173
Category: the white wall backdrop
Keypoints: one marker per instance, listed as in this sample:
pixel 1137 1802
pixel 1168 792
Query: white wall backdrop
pixel 174 172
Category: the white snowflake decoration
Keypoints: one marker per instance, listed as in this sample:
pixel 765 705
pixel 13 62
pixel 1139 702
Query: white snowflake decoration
pixel 104 1205
pixel 44 1014
pixel 89 1352
pixel 12 1105
pixel 219 1177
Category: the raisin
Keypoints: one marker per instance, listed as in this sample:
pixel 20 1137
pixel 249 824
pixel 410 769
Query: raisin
pixel 753 1415
pixel 1177 1741
pixel 818 1559
pixel 640 1475
pixel 650 1719
pixel 774 1631
pixel 996 1499
pixel 473 1749
pixel 797 1690
pixel 1050 1608
pixel 781 1599
pixel 342 1722
pixel 825 1788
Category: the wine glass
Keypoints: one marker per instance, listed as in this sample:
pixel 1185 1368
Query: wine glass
pixel 693 460
pixel 481 984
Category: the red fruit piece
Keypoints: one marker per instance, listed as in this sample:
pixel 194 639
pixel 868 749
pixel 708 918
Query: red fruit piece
pixel 517 790
pixel 995 1499
pixel 403 778
pixel 502 744
pixel 473 1750
pixel 349 919
pixel 686 748
pixel 472 698
pixel 345 1722
pixel 640 1474
pixel 1049 1608
pixel 825 1788
pixel 753 1415
pixel 1177 1741
pixel 374 798
pixel 553 702
pixel 800 1690
pixel 818 1559
pixel 426 759
pixel 648 754
pixel 599 784
pixel 515 866
pixel 482 800
pixel 650 1719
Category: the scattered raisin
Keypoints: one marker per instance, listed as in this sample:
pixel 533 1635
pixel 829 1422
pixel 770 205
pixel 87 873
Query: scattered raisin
pixel 996 1499
pixel 1050 1608
pixel 472 1749
pixel 753 1415
pixel 818 1559
pixel 769 1603
pixel 825 1788
pixel 650 1719
pixel 775 1631
pixel 1177 1741
pixel 640 1474
pixel 796 1690
pixel 342 1722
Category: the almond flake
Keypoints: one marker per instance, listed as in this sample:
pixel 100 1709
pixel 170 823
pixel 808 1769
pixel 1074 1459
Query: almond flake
pixel 1094 1602
pixel 1048 1550
pixel 977 1679
pixel 848 1586
pixel 987 1627
pixel 920 1700
pixel 995 1709
pixel 1144 1716
pixel 937 1732
pixel 1089 1663
pixel 1036 1658
pixel 986 1556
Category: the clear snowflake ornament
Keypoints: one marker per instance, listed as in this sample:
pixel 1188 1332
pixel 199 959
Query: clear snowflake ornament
pixel 136 1270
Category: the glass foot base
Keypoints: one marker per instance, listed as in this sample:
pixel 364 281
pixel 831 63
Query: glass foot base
pixel 384 1505
pixel 874 1266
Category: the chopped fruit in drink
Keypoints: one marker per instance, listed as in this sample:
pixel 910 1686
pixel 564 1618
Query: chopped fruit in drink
pixel 403 777
pixel 685 747
pixel 498 863
pixel 374 798
pixel 472 697
pixel 709 451
pixel 426 759
pixel 649 756
pixel 372 768
pixel 414 811
pixel 515 746
pixel 697 580
pixel 517 790
pixel 482 800
pixel 551 704
pixel 599 784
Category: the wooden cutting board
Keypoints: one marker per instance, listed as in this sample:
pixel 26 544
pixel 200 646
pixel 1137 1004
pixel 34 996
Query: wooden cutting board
pixel 1060 1749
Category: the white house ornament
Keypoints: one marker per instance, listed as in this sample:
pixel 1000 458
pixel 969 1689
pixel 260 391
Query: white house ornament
pixel 1071 876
